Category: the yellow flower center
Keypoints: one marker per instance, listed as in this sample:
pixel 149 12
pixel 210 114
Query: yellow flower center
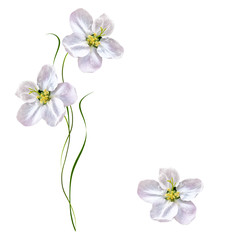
pixel 94 39
pixel 172 194
pixel 43 96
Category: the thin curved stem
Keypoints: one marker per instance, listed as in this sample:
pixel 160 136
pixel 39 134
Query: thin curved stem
pixel 73 218
pixel 81 150
pixel 67 141
pixel 62 75
pixel 59 43
pixel 62 69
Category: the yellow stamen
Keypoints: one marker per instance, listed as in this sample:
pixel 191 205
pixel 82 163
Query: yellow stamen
pixel 94 40
pixel 172 194
pixel 44 96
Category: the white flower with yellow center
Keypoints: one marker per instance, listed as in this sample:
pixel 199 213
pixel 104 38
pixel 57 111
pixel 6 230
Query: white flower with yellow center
pixel 170 198
pixel 89 40
pixel 47 100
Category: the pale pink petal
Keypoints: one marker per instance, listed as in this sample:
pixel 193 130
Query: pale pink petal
pixel 104 22
pixel 109 48
pixel 164 210
pixel 91 62
pixel 66 93
pixel 81 22
pixel 47 78
pixel 76 45
pixel 150 191
pixel 189 189
pixel 53 112
pixel 24 89
pixel 186 212
pixel 168 174
pixel 29 113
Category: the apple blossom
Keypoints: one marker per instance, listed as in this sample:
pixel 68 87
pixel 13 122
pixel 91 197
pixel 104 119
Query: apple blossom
pixel 88 41
pixel 170 198
pixel 47 101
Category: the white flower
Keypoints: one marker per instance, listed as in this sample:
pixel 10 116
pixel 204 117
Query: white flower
pixel 87 42
pixel 170 198
pixel 47 101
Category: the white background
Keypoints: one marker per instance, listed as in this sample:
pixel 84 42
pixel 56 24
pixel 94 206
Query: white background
pixel 163 104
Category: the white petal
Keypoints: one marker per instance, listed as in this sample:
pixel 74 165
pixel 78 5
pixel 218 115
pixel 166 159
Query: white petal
pixel 164 210
pixel 24 89
pixel 168 174
pixel 109 48
pixel 150 191
pixel 29 113
pixel 76 45
pixel 66 93
pixel 104 22
pixel 47 78
pixel 186 212
pixel 189 188
pixel 53 112
pixel 91 62
pixel 81 22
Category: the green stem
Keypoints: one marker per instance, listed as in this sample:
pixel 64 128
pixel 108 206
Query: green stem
pixel 66 140
pixel 59 43
pixel 62 69
pixel 73 217
pixel 62 75
pixel 78 157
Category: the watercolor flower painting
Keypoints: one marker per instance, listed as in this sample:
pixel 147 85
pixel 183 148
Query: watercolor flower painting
pixel 90 41
pixel 51 101
pixel 169 197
